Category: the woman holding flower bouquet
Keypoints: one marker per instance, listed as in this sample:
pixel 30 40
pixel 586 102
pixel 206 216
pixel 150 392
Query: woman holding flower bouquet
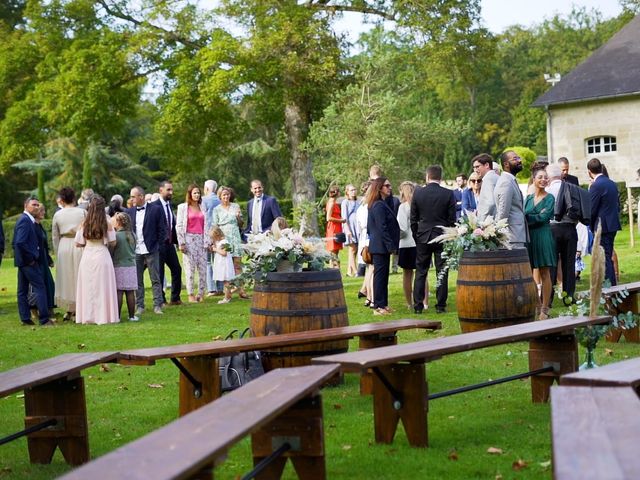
pixel 384 238
pixel 538 210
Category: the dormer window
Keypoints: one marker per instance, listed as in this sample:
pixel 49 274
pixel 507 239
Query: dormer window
pixel 601 145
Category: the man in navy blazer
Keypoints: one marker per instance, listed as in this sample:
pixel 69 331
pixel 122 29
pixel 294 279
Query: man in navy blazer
pixel 266 210
pixel 26 252
pixel 149 225
pixel 605 209
pixel 168 255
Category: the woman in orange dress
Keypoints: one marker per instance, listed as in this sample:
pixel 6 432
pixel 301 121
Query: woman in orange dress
pixel 334 226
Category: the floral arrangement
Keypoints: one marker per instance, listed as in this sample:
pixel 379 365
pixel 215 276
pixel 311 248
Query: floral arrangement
pixel 470 234
pixel 267 251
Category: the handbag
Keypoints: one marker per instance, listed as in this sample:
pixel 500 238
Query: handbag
pixel 366 256
pixel 237 369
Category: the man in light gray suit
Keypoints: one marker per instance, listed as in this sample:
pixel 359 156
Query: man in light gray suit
pixel 509 201
pixel 483 167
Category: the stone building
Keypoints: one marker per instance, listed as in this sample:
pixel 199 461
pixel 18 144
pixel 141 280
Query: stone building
pixel 594 111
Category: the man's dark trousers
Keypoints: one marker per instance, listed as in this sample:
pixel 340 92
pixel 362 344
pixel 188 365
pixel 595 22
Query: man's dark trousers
pixel 566 238
pixel 169 257
pixel 424 252
pixel 32 274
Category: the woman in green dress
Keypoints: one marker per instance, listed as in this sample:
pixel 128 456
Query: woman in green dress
pixel 538 209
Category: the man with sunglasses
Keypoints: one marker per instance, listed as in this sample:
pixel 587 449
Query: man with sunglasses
pixel 483 167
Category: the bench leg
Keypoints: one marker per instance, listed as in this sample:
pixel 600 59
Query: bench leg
pixel 559 351
pixel 410 383
pixel 205 370
pixel 63 400
pixel 302 427
pixel 373 341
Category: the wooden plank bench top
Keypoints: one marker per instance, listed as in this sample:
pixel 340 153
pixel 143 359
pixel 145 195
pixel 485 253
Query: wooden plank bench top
pixel 400 390
pixel 45 371
pixel 54 404
pixel 617 374
pixel 225 347
pixel 437 347
pixel 188 445
pixel 595 433
pixel 632 287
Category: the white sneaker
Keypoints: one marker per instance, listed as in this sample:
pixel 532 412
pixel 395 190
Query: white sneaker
pixel 223 301
pixel 158 311
pixel 134 319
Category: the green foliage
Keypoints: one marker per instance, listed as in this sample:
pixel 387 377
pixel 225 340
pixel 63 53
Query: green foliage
pixel 528 157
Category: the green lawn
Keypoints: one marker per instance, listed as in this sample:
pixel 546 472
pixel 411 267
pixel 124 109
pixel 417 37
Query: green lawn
pixel 125 402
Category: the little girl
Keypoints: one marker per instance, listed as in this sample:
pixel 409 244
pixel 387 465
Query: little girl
pixel 124 263
pixel 223 269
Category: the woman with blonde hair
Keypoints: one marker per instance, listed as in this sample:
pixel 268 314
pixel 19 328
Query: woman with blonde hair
pixel 192 241
pixel 349 208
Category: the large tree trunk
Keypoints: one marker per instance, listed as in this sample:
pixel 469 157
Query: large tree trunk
pixel 302 181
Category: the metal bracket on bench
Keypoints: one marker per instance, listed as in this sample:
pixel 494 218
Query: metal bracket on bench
pixel 34 428
pixel 267 460
pixel 396 395
pixel 197 386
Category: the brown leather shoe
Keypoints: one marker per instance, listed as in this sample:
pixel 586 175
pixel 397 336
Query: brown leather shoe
pixel 177 302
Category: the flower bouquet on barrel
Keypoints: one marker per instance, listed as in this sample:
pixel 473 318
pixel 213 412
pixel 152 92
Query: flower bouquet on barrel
pixel 471 235
pixel 281 250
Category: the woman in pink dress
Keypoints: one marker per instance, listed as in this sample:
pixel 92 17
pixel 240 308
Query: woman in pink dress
pixel 193 242
pixel 96 294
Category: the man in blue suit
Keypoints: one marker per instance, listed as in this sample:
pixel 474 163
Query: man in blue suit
pixel 26 253
pixel 262 210
pixel 605 209
pixel 149 224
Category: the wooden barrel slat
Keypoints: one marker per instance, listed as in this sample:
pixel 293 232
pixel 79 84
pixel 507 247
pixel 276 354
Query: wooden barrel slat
pixel 297 302
pixel 495 289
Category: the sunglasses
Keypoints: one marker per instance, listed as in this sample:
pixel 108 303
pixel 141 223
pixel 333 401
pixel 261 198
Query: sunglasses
pixel 475 181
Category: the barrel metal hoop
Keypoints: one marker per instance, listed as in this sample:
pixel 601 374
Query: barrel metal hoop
pixel 484 283
pixel 298 313
pixel 305 353
pixel 288 289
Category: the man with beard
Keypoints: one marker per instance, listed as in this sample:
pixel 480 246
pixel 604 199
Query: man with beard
pixel 509 201
pixel 168 255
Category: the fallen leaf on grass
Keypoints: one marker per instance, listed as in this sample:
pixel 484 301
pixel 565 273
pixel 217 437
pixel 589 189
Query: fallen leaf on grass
pixel 217 337
pixel 5 469
pixel 21 395
pixel 498 477
pixel 123 387
pixel 453 455
pixel 546 464
pixel 494 451
pixel 337 406
pixel 519 465
pixel 346 447
pixel 81 346
pixel 451 417
pixel 155 385
pixel 104 368
pixel 608 352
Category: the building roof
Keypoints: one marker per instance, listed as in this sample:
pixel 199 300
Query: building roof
pixel 611 71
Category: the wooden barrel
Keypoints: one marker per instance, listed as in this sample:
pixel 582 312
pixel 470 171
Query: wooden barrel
pixel 495 289
pixel 299 302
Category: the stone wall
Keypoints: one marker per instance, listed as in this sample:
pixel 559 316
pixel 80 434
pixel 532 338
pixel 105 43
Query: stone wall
pixel 573 124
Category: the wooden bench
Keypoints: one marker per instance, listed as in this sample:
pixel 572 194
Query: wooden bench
pixel 54 394
pixel 629 304
pixel 198 362
pixel 595 433
pixel 282 406
pixel 618 374
pixel 400 386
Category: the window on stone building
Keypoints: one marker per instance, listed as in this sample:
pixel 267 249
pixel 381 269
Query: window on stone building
pixel 601 145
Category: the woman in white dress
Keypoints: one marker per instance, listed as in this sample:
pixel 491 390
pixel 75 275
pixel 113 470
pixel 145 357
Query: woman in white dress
pixel 96 294
pixel 64 227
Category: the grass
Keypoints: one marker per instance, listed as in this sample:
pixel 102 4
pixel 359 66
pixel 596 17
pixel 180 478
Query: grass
pixel 125 403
